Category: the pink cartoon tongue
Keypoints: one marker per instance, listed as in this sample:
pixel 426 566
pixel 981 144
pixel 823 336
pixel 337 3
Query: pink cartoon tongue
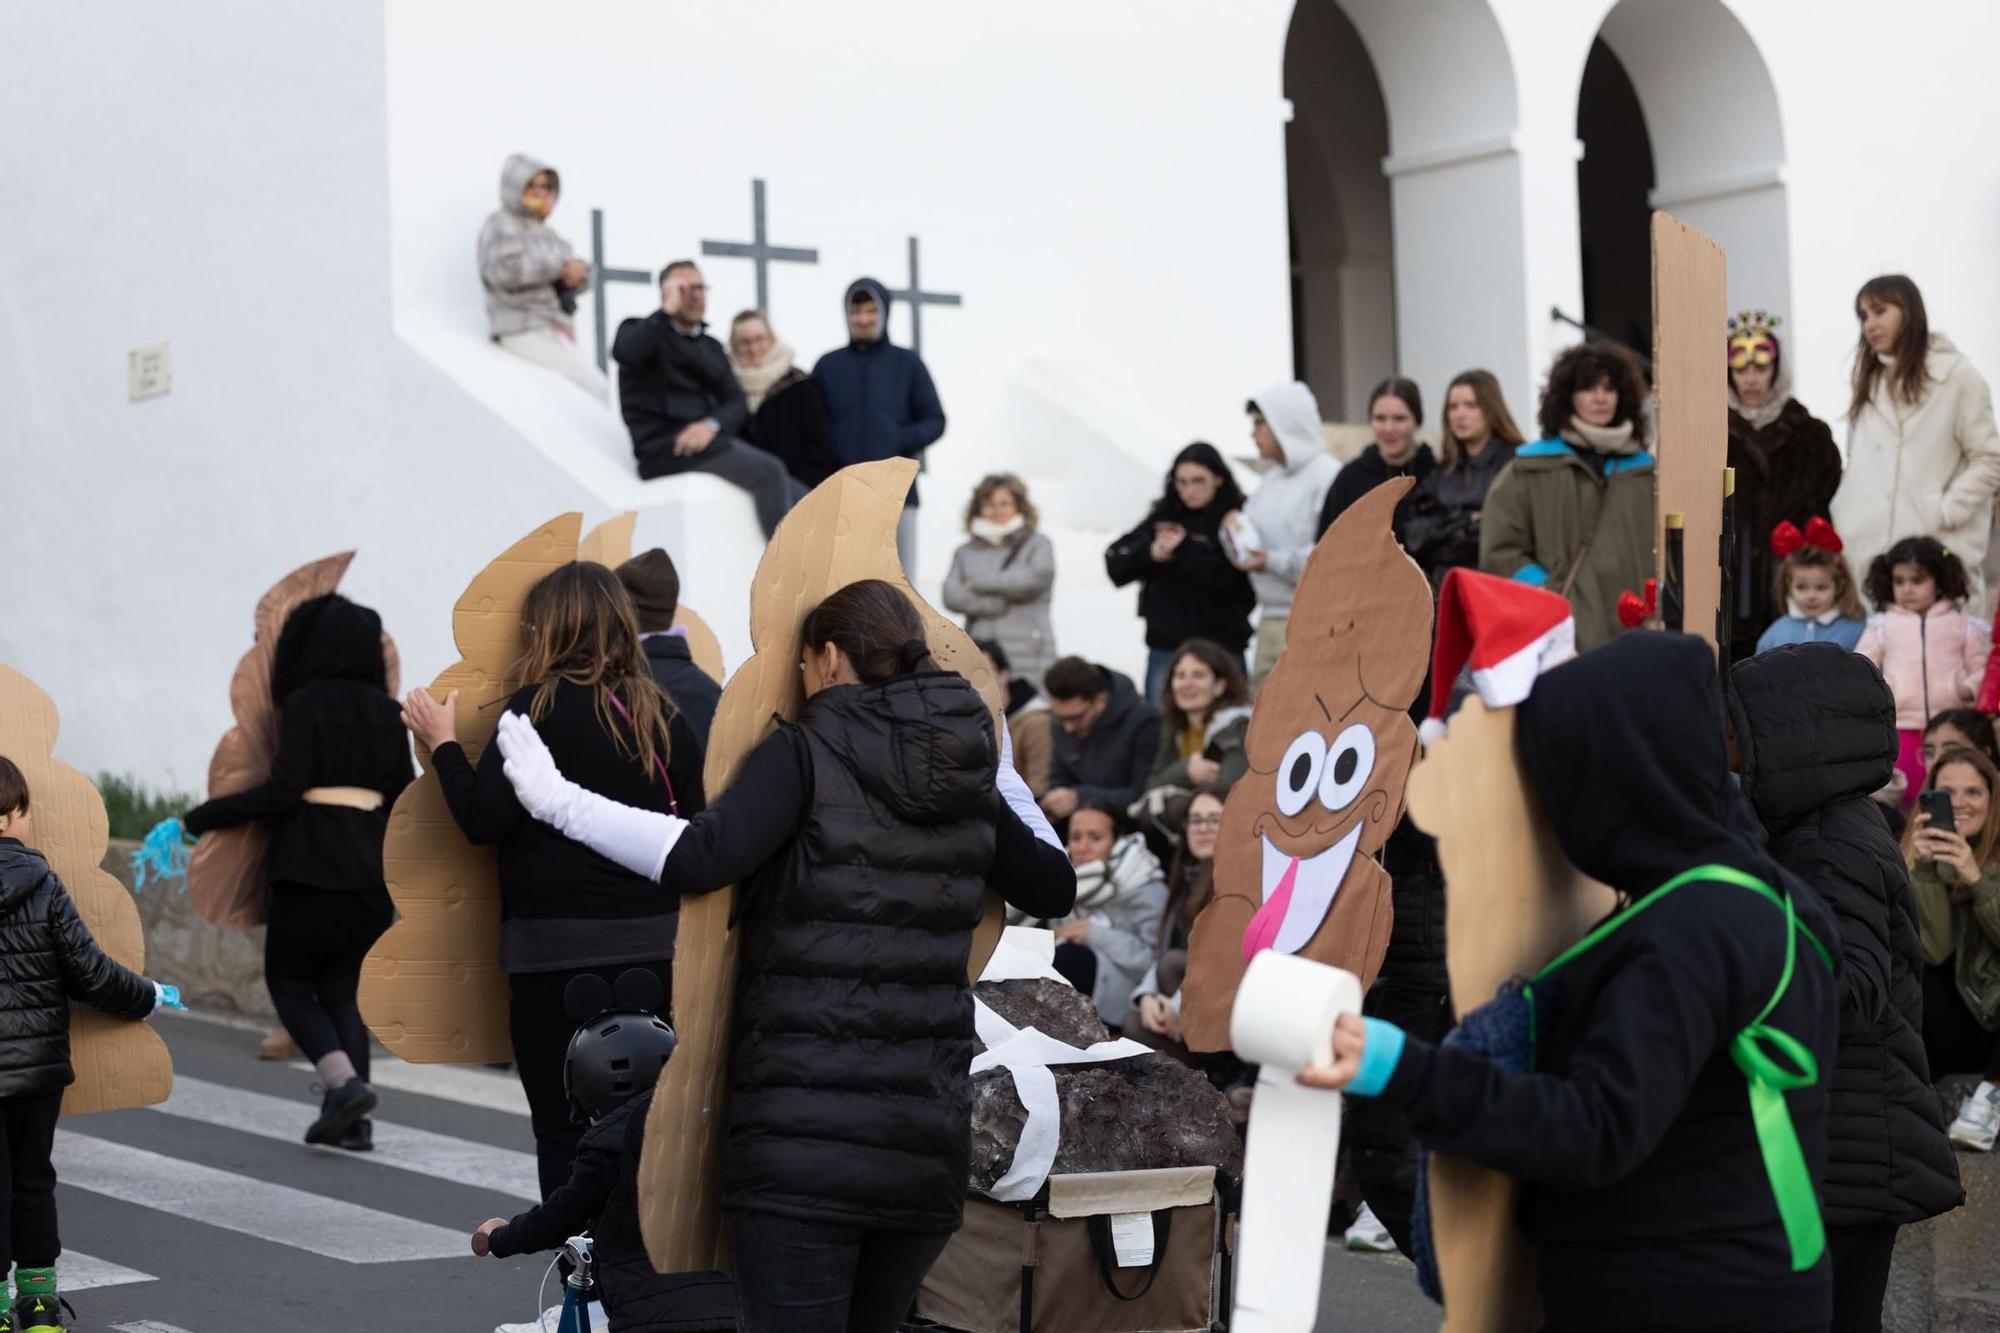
pixel 1263 931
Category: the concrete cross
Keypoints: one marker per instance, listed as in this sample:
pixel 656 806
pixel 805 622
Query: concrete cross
pixel 758 250
pixel 918 299
pixel 602 275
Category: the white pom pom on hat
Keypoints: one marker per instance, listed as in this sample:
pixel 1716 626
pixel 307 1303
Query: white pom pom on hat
pixel 1507 633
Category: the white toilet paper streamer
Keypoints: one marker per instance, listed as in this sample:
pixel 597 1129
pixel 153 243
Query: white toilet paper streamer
pixel 1027 1053
pixel 1283 1022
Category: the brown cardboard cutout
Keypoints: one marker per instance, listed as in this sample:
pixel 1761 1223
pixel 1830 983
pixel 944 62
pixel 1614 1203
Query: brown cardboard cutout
pixel 841 533
pixel 432 990
pixel 1690 384
pixel 226 875
pixel 1512 902
pixel 610 545
pixel 119 1064
pixel 1330 747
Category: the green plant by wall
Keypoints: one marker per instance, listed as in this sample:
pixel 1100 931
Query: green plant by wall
pixel 134 807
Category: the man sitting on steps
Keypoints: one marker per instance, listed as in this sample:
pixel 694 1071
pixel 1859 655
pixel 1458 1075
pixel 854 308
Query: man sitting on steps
pixel 682 403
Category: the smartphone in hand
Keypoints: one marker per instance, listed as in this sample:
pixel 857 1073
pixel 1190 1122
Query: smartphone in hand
pixel 1937 804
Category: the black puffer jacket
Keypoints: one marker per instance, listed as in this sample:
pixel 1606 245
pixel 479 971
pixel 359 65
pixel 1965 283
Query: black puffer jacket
pixel 602 1197
pixel 1415 959
pixel 852 1086
pixel 47 959
pixel 1816 728
pixel 1193 594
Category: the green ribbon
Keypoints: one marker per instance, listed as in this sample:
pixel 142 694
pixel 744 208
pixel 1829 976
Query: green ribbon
pixel 1768 1079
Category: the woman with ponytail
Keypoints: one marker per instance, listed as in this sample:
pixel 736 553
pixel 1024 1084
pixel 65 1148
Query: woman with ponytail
pixel 864 836
pixel 565 910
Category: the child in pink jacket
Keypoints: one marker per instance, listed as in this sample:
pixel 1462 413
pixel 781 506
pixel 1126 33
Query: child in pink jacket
pixel 1929 650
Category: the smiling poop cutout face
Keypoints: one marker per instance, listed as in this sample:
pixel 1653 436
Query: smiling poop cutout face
pixel 1331 745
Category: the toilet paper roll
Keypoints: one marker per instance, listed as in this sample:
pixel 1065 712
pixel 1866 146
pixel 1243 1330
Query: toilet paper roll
pixel 1283 1021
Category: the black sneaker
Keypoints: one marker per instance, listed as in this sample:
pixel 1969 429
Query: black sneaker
pixel 360 1137
pixel 339 1111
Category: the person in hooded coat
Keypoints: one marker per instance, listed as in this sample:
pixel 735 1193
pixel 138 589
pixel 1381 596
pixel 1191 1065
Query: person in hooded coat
pixel 864 835
pixel 343 758
pixel 1284 513
pixel 1645 1190
pixel 1787 469
pixel 1815 734
pixel 532 277
pixel 880 401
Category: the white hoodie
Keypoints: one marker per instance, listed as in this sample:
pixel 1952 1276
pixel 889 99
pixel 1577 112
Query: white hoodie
pixel 1285 509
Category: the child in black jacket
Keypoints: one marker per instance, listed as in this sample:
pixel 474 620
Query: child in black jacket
pixel 47 959
pixel 609 1072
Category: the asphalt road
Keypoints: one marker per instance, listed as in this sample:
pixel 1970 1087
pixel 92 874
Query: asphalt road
pixel 209 1215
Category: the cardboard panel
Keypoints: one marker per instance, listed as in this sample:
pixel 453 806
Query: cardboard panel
pixel 432 990
pixel 226 877
pixel 610 545
pixel 118 1064
pixel 1513 901
pixel 1354 659
pixel 1690 384
pixel 843 532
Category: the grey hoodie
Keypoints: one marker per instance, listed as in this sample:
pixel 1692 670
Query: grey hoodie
pixel 520 258
pixel 1285 509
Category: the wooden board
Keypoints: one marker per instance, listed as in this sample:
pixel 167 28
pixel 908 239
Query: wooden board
pixel 432 990
pixel 841 533
pixel 1512 902
pixel 119 1064
pixel 1355 653
pixel 1691 388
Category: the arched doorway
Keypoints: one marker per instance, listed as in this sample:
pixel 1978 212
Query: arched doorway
pixel 1675 93
pixel 1343 238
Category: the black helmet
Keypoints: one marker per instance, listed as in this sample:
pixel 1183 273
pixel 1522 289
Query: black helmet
pixel 621 1046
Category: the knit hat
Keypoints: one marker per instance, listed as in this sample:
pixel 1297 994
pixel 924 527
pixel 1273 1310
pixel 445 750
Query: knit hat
pixel 655 586
pixel 1508 633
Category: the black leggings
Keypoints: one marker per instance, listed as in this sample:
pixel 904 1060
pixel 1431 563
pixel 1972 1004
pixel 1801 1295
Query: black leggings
pixel 1379 1141
pixel 1953 1040
pixel 28 1179
pixel 541 1029
pixel 313 949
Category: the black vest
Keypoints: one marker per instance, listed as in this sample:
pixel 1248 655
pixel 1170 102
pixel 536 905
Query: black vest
pixel 851 1094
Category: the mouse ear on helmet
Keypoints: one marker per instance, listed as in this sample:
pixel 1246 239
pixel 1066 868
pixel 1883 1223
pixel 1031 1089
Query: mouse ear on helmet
pixel 586 997
pixel 637 988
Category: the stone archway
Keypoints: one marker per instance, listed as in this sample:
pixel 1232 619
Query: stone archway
pixel 1711 128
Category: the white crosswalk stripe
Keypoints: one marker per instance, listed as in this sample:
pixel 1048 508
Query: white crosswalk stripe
pixel 83 1272
pixel 486 1089
pixel 332 1228
pixel 147 1326
pixel 439 1155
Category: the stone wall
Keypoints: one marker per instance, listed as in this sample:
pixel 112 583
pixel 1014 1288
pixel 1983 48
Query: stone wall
pixel 217 970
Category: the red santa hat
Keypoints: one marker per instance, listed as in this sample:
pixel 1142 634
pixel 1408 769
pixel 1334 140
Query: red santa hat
pixel 1508 633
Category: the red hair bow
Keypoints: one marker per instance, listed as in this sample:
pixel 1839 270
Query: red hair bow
pixel 1787 539
pixel 1632 612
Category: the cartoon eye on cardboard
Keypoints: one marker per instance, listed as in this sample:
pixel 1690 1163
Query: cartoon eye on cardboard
pixel 1331 745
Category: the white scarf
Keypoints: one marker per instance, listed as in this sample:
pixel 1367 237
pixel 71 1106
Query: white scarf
pixel 1600 439
pixel 996 533
pixel 1131 868
pixel 756 381
pixel 1764 413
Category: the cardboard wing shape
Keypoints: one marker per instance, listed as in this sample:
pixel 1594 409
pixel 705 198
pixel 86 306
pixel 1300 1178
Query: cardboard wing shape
pixel 431 990
pixel 1330 747
pixel 1512 902
pixel 1690 384
pixel 226 878
pixel 843 532
pixel 610 545
pixel 119 1064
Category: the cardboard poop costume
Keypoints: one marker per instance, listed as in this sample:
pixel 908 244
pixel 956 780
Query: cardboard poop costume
pixel 432 990
pixel 226 876
pixel 118 1065
pixel 1330 747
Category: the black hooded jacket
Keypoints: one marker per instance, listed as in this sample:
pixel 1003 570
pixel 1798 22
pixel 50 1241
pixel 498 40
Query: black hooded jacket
pixel 867 833
pixel 668 379
pixel 1646 1193
pixel 880 401
pixel 602 1196
pixel 1196 593
pixel 1816 731
pixel 1367 472
pixel 47 959
pixel 338 726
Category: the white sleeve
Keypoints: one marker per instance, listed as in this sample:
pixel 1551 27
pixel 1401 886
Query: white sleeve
pixel 637 839
pixel 1020 800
